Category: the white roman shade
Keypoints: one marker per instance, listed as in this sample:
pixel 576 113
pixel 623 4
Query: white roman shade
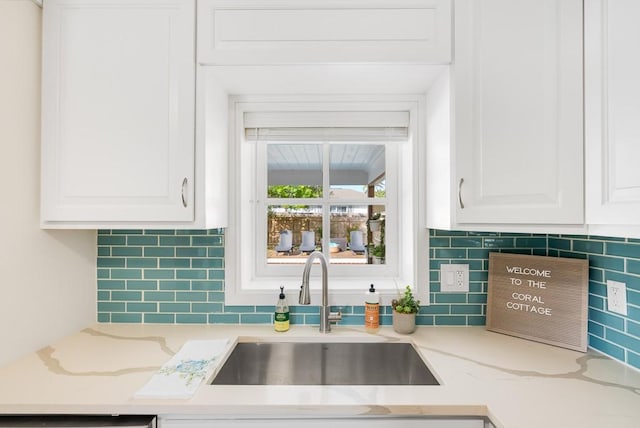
pixel 378 126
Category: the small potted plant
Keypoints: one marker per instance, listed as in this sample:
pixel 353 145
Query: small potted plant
pixel 405 309
pixel 377 254
pixel 375 222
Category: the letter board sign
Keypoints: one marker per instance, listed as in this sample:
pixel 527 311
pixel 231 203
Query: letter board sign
pixel 539 298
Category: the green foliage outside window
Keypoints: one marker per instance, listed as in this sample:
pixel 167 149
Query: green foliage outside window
pixel 286 191
pixel 300 191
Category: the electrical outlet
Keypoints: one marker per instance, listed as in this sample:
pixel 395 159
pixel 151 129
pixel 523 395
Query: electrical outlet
pixel 454 278
pixel 459 279
pixel 617 297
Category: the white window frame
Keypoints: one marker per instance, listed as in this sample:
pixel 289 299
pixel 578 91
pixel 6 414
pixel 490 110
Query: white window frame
pixel 247 283
pixel 390 269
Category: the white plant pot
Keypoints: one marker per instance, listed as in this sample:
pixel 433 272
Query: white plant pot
pixel 377 260
pixel 404 323
pixel 374 225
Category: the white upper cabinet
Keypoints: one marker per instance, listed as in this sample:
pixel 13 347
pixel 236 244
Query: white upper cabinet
pixel 517 112
pixel 118 112
pixel 612 111
pixel 248 32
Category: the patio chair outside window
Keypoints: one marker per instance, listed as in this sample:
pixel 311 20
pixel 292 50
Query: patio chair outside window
pixel 357 244
pixel 308 241
pixel 286 242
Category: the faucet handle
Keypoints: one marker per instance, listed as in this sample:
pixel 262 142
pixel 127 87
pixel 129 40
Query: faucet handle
pixel 335 316
pixel 305 295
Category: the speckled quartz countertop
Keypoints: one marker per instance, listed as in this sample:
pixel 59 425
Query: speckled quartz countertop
pixel 514 382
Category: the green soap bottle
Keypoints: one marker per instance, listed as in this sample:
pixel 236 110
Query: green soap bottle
pixel 281 319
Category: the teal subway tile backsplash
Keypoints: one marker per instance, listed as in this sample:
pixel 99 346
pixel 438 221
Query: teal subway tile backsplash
pixel 159 273
pixel 191 318
pixel 256 318
pixel 609 259
pixel 135 240
pixel 633 297
pixel 632 281
pixel 159 318
pixel 111 284
pixel 596 302
pixel 175 307
pixel 191 296
pixel 159 296
pixel 605 262
pixel 177 276
pixel 126 251
pixel 633 328
pixel 225 319
pixel 111 240
pixel 174 285
pixel 608 348
pixel 127 296
pixel 623 250
pixel 142 307
pixel 159 251
pixel 126 273
pixel 499 242
pixel 585 246
pixel 174 263
pixel 191 274
pixel 633 266
pixel 111 262
pixel 450 253
pixel 471 242
pixel 451 320
pixel 173 241
pixel 134 262
pixel 606 319
pixel 126 318
pixel 450 298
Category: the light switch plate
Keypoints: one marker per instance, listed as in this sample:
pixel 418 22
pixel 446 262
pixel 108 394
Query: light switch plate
pixel 454 278
pixel 617 297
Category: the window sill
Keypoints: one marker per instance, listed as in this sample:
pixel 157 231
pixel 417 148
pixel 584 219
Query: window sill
pixel 341 291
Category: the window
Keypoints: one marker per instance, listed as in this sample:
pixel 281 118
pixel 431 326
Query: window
pixel 339 178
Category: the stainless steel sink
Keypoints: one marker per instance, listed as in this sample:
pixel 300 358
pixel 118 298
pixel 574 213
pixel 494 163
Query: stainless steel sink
pixel 309 363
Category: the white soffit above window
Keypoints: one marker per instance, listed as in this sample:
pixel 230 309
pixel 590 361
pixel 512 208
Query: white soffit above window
pixel 327 79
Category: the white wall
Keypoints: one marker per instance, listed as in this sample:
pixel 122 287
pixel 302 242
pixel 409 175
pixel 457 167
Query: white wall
pixel 47 278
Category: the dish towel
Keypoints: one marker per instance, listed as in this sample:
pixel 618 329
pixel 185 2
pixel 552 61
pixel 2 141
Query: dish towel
pixel 181 376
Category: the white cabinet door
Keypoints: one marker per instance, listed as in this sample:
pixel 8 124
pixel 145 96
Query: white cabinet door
pixel 235 32
pixel 612 112
pixel 118 112
pixel 517 112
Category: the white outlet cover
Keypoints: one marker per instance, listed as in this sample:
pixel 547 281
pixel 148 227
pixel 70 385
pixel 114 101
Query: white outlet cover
pixel 617 297
pixel 454 278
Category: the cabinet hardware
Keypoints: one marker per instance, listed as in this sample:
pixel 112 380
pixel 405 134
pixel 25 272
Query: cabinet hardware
pixel 460 193
pixel 184 197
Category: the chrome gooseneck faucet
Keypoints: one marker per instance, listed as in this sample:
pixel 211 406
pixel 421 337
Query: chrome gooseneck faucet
pixel 326 316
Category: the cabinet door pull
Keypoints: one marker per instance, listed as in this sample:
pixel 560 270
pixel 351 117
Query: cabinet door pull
pixel 184 196
pixel 460 193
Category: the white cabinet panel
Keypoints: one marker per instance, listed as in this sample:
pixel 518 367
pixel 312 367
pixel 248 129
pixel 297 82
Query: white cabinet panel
pixel 612 111
pixel 517 111
pixel 118 111
pixel 232 32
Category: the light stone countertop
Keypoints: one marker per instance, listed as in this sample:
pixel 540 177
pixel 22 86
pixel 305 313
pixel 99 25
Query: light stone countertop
pixel 515 382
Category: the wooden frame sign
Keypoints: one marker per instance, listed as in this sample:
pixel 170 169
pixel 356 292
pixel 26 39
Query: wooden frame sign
pixel 539 298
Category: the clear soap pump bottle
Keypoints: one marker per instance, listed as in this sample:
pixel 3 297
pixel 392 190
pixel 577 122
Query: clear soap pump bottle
pixel 281 319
